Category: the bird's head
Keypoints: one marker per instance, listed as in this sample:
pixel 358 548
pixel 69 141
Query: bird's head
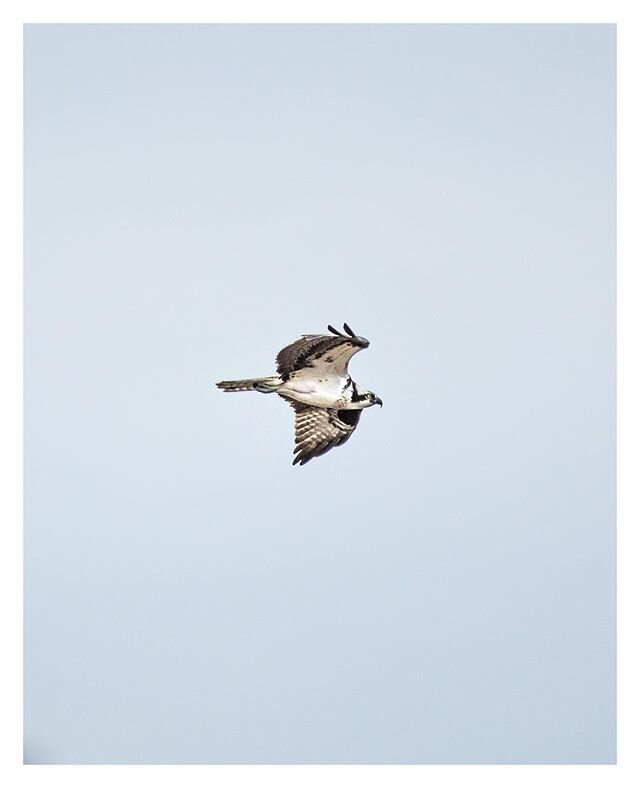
pixel 366 399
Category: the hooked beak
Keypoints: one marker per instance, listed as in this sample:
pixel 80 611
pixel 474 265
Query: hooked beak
pixel 377 401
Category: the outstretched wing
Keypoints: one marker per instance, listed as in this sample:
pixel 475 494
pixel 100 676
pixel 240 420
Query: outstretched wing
pixel 326 354
pixel 318 429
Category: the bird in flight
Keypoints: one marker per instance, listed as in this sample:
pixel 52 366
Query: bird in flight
pixel 312 376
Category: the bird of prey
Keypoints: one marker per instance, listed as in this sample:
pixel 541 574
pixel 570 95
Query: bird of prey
pixel 312 376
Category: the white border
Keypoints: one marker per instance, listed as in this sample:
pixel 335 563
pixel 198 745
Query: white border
pixel 627 772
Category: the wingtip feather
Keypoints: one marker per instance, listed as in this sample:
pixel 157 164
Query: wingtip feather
pixel 349 330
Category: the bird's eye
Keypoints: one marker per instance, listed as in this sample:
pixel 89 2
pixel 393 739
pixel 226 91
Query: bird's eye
pixel 370 395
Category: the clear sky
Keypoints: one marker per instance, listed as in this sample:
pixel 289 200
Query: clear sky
pixel 442 588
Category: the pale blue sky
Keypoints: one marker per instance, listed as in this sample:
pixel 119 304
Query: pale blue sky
pixel 442 588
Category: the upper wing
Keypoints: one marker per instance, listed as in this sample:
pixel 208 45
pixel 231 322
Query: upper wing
pixel 318 430
pixel 325 353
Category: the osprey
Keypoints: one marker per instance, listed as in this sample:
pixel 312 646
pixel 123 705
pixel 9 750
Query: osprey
pixel 312 377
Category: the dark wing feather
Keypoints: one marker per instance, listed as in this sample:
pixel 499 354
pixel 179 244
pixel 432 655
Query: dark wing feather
pixel 320 352
pixel 318 430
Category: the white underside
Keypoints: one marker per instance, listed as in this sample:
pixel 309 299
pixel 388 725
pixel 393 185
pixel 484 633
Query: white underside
pixel 320 392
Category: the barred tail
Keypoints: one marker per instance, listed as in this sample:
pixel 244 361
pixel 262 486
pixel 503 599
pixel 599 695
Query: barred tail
pixel 263 385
